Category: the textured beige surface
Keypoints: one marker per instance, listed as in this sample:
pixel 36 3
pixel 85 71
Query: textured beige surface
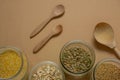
pixel 18 18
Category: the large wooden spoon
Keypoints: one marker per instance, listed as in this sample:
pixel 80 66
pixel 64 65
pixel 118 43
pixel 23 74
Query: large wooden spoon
pixel 57 30
pixel 104 34
pixel 57 12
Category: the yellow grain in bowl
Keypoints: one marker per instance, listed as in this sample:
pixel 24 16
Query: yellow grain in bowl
pixel 10 63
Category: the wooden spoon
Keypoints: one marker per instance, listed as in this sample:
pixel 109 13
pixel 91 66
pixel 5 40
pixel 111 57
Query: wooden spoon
pixel 57 30
pixel 104 34
pixel 57 12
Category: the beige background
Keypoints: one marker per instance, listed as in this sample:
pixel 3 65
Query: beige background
pixel 18 18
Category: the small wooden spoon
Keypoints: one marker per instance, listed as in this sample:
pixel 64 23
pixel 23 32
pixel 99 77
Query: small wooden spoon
pixel 56 31
pixel 104 34
pixel 57 12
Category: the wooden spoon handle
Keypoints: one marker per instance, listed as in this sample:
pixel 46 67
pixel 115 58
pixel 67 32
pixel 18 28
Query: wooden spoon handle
pixel 40 27
pixel 42 43
pixel 117 52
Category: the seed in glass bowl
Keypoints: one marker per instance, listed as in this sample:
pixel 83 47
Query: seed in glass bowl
pixel 10 63
pixel 47 72
pixel 107 71
pixel 76 59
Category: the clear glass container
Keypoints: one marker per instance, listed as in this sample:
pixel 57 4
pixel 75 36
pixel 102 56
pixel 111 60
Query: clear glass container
pixel 107 69
pixel 45 70
pixel 23 70
pixel 74 57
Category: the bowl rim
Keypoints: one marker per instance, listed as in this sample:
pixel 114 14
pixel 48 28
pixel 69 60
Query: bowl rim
pixel 103 61
pixel 43 63
pixel 92 53
pixel 19 52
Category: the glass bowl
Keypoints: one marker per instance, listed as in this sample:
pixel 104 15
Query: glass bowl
pixel 107 69
pixel 46 70
pixel 22 70
pixel 75 56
